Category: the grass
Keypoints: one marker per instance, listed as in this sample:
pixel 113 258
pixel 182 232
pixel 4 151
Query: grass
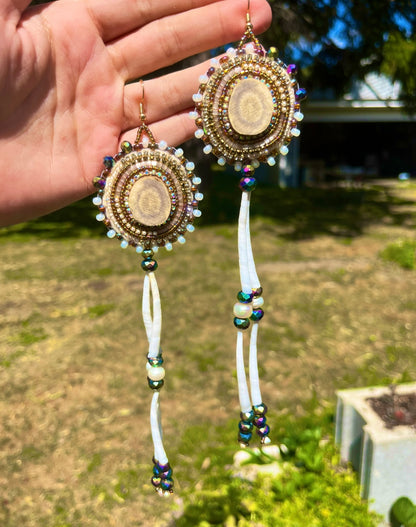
pixel 75 446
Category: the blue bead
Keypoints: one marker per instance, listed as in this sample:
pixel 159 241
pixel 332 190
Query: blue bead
pixel 300 94
pixel 260 409
pixel 248 183
pixel 241 323
pixel 167 474
pixel 245 437
pixel 166 484
pixel 247 416
pixel 263 431
pixel 155 361
pixel 245 426
pixel 109 161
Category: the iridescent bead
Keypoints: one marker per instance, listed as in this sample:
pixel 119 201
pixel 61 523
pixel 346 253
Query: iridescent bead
pixel 241 323
pixel 98 182
pixel 155 385
pixel 167 484
pixel 109 161
pixel 247 416
pixel 245 426
pixel 156 481
pixel 259 421
pixel 126 147
pixel 263 431
pixel 244 297
pixel 248 183
pixel 162 468
pixel 292 69
pixel 97 200
pixel 156 470
pixel 149 265
pixel 241 310
pixel 260 409
pixel 272 52
pixel 248 170
pixel 244 437
pixel 155 361
pixel 300 94
pixel 148 253
pixel 257 315
pixel 167 474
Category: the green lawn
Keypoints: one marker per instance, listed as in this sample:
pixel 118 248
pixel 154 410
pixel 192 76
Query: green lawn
pixel 75 447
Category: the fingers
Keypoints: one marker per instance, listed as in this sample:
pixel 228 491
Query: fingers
pixel 13 8
pixel 174 130
pixel 163 97
pixel 170 39
pixel 118 17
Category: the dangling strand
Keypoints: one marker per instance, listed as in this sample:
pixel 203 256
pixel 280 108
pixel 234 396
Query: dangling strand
pixel 162 472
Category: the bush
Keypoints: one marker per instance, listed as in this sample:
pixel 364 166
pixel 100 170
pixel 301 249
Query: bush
pixel 401 252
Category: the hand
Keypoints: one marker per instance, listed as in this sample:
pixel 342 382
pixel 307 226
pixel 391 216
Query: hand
pixel 64 101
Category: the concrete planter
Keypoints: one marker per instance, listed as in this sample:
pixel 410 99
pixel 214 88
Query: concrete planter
pixel 384 458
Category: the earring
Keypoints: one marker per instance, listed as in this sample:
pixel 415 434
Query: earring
pixel 246 111
pixel 148 198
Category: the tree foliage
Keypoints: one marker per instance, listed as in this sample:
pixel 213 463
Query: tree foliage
pixel 338 41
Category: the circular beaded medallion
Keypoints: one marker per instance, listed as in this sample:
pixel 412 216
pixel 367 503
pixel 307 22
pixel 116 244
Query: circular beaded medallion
pixel 148 195
pixel 247 107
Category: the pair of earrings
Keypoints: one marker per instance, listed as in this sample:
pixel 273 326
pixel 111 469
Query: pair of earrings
pixel 246 111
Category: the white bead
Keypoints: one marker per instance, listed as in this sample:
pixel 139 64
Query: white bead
pixel 145 142
pixel 155 249
pixel 295 132
pixel 100 217
pixel 163 145
pixel 179 152
pixel 214 62
pixel 139 249
pixel 221 161
pixel 298 116
pixel 190 228
pixel 284 150
pixel 197 213
pixel 199 133
pixel 271 161
pixel 97 200
pixel 190 166
pixel 193 115
pixel 238 166
pixel 249 48
pixel 242 310
pixel 258 302
pixel 255 163
pixel 231 52
pixel 207 149
pixel 199 196
pixel 155 373
pixel 168 246
pixel 196 180
pixel 203 79
pixel 181 239
pixel 124 244
pixel 197 97
pixel 111 233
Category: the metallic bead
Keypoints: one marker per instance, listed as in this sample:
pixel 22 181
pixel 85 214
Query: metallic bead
pixel 210 71
pixel 247 416
pixel 167 484
pixel 162 468
pixel 258 291
pixel 156 481
pixel 149 265
pixel 292 69
pixel 245 437
pixel 260 409
pixel 166 474
pixel 244 297
pixel 155 385
pixel 241 323
pixel 259 421
pixel 272 53
pixel 155 361
pixel 109 161
pixel 98 182
pixel 248 170
pixel 257 315
pixel 248 183
pixel 148 253
pixel 126 147
pixel 245 426
pixel 300 94
pixel 263 431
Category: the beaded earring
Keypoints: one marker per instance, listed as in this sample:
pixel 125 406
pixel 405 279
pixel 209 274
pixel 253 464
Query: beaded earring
pixel 246 112
pixel 148 198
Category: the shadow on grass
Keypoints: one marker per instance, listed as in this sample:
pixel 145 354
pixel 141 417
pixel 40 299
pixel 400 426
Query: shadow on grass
pixel 303 212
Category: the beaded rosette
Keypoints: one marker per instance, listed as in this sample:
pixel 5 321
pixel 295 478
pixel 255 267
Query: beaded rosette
pixel 247 110
pixel 148 198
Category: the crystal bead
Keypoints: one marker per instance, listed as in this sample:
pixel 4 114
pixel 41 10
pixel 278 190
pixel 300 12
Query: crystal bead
pixel 190 166
pixel 190 228
pixel 199 196
pixel 207 149
pixel 245 426
pixel 292 69
pixel 111 233
pixel 258 301
pixel 196 180
pixel 109 161
pixel 221 161
pixel 197 213
pixel 284 150
pixel 247 416
pixel 238 166
pixel 241 323
pixel 139 249
pixel 295 132
pixel 163 145
pixel 298 116
pixel 245 437
pixel 244 297
pixel 203 79
pixel 97 201
pixel 100 217
pixel 271 161
pixel 197 97
pixel 257 315
pixel 248 183
pixel 149 265
pixel 193 115
pixel 179 152
pixel 124 244
pixel 260 409
pixel 155 385
pixel 300 94
pixel 199 134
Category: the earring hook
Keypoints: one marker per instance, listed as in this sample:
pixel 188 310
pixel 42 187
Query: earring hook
pixel 142 112
pixel 143 130
pixel 248 12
